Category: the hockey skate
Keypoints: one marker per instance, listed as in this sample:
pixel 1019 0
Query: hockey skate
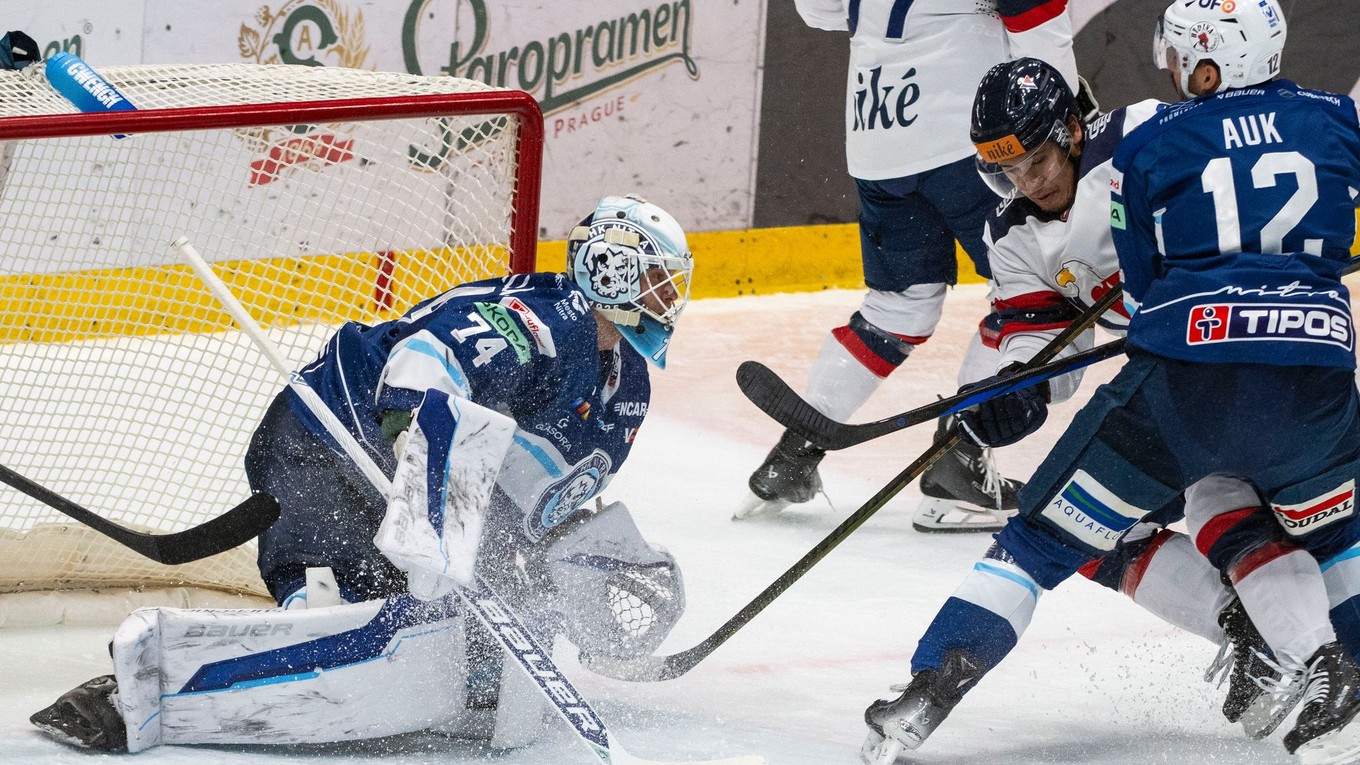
pixel 86 716
pixel 788 476
pixel 1323 734
pixel 1261 692
pixel 908 720
pixel 964 492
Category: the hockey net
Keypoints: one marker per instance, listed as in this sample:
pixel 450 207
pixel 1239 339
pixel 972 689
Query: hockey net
pixel 321 196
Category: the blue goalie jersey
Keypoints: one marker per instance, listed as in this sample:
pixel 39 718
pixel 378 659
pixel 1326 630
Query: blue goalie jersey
pixel 1233 215
pixel 524 345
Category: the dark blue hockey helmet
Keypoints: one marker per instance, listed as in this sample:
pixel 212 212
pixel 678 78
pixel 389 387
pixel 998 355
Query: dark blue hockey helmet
pixel 1020 105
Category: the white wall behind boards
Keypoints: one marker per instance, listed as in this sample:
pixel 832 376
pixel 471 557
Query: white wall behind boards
pixel 654 96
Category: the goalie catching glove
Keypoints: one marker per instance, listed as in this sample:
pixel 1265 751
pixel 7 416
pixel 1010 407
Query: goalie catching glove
pixel 1005 419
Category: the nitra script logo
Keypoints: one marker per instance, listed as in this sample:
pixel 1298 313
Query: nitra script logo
pixel 566 495
pixel 1229 323
pixel 1305 516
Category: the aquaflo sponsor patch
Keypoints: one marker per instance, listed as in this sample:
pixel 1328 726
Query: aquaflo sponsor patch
pixel 1243 322
pixel 1312 514
pixel 1091 513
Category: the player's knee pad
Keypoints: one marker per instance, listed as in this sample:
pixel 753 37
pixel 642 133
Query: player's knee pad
pixel 877 349
pixel 617 595
pixel 911 313
pixel 1230 526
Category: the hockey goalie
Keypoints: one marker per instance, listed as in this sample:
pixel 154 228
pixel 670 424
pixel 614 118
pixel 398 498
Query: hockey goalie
pixel 499 409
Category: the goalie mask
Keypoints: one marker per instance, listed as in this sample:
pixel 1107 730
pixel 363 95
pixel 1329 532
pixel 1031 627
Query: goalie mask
pixel 1244 39
pixel 631 259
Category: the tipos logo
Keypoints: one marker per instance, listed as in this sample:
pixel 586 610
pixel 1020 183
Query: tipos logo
pixel 1310 514
pixel 307 33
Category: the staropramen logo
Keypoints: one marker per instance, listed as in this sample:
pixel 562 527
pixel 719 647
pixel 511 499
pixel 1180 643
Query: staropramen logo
pixel 306 32
pixel 561 66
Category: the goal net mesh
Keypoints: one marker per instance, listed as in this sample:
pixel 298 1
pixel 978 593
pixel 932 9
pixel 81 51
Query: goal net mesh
pixel 320 195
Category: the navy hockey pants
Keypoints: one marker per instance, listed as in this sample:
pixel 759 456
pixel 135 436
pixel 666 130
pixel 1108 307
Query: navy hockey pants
pixel 329 512
pixel 1161 425
pixel 907 226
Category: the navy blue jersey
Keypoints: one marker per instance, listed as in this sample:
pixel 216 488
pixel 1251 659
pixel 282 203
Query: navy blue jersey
pixel 524 345
pixel 1233 215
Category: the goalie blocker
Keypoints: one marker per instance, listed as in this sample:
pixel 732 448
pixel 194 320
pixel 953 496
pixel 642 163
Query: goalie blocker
pixel 315 673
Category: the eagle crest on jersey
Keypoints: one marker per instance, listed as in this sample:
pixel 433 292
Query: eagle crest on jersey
pixel 631 260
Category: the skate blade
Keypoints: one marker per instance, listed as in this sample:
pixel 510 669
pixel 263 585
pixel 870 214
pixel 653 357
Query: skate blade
pixel 879 750
pixel 1265 714
pixel 755 507
pixel 1339 747
pixel 935 516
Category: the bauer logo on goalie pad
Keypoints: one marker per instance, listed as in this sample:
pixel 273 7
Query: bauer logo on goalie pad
pixel 1304 517
pixel 1227 323
pixel 1091 513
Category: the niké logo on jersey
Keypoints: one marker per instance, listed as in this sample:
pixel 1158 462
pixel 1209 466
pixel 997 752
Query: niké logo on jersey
pixel 879 105
pixel 1227 322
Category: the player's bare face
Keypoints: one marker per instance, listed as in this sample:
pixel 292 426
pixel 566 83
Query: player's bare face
pixel 1047 176
pixel 659 293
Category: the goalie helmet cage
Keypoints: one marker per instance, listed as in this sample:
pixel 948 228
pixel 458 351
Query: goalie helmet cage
pixel 321 195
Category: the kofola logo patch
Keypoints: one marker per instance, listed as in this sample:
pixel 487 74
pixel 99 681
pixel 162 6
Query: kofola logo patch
pixel 1242 322
pixel 1310 514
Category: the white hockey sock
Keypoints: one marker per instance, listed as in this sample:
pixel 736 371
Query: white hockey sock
pixel 1179 586
pixel 838 384
pixel 1286 597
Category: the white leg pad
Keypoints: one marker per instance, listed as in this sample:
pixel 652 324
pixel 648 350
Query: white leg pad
pixel 301 676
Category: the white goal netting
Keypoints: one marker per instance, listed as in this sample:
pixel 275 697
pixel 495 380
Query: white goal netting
pixel 321 195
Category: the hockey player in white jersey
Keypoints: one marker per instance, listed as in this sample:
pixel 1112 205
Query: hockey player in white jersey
pixel 913 69
pixel 1136 445
pixel 500 409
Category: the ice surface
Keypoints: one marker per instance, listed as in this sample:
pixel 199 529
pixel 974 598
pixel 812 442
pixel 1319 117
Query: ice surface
pixel 1095 680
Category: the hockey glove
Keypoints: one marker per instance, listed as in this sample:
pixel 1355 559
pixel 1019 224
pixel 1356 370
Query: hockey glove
pixel 1004 420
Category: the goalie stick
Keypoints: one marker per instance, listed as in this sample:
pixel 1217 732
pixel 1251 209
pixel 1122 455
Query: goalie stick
pixel 657 668
pixel 230 529
pixel 497 615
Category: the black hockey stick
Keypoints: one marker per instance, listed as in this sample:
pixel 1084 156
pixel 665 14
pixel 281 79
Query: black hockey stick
pixel 230 529
pixel 655 668
pixel 774 397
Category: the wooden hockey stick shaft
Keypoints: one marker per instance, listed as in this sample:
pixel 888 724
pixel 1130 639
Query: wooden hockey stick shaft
pixel 230 529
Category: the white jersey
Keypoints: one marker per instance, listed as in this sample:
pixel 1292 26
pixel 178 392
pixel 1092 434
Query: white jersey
pixel 915 65
pixel 1047 267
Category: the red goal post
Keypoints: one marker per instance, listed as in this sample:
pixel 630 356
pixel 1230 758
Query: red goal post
pixel 321 195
